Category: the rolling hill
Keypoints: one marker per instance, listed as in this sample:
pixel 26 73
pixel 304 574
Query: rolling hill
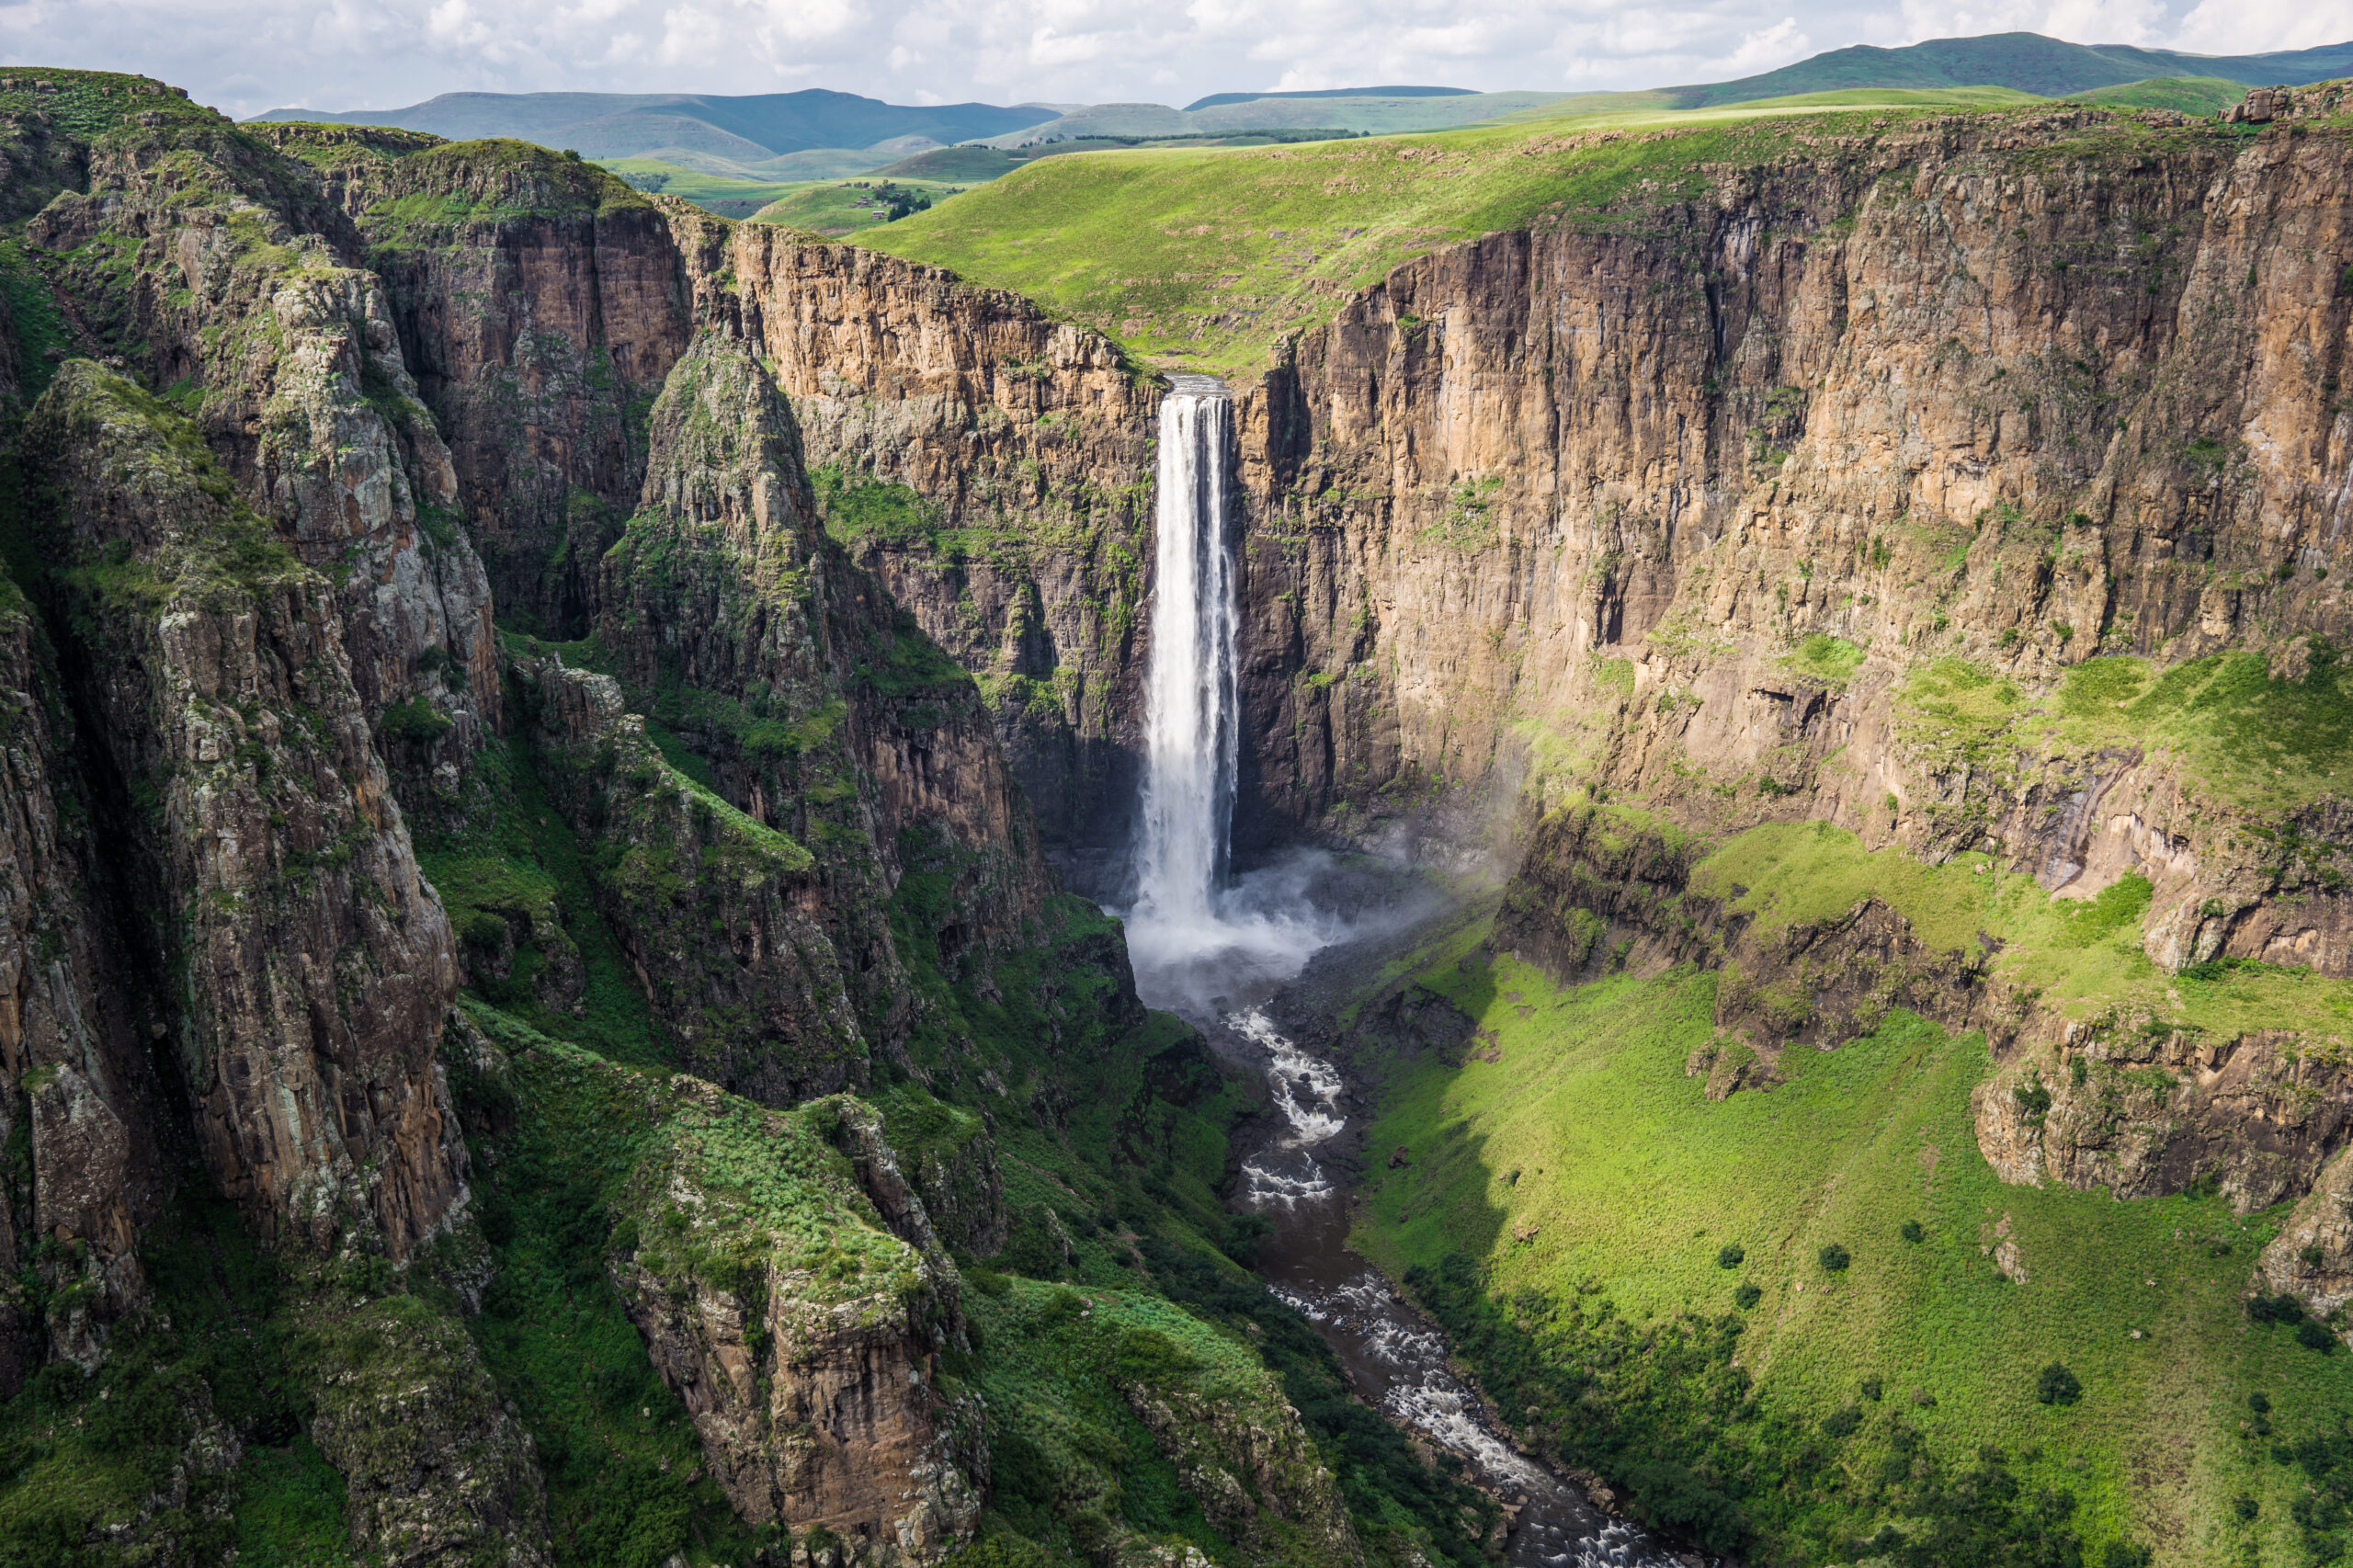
pixel 745 130
pixel 2047 67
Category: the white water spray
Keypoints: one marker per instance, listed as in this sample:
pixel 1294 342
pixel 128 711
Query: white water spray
pixel 1197 933
pixel 1188 702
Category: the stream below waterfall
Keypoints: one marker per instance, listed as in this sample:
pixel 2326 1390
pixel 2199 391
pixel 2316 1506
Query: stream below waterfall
pixel 1294 1176
pixel 1216 949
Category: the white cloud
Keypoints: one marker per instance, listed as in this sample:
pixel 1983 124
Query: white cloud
pixel 248 55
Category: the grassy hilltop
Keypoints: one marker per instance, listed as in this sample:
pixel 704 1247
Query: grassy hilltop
pixel 1210 257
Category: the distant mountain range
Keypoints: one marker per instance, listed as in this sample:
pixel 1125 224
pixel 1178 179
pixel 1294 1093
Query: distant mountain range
pixel 817 135
pixel 752 130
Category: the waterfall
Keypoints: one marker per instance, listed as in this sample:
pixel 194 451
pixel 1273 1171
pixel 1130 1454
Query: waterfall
pixel 1201 937
pixel 1190 722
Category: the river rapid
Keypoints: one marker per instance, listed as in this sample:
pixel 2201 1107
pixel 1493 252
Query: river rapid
pixel 1295 1172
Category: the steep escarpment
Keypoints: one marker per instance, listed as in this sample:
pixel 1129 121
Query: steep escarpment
pixel 991 466
pixel 313 964
pixel 1974 484
pixel 538 301
pixel 217 269
pixel 88 1115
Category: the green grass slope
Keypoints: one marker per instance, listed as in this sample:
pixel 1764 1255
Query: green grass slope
pixel 726 195
pixel 846 207
pixel 2047 67
pixel 1645 1277
pixel 1212 257
pixel 2189 94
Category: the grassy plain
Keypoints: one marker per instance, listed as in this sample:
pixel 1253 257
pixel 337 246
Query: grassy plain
pixel 2189 94
pixel 722 194
pixel 841 207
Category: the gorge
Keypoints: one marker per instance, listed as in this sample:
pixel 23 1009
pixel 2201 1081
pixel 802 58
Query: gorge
pixel 1738 729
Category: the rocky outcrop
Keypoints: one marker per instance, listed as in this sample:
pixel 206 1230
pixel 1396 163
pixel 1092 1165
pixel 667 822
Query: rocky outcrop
pixel 537 300
pixel 800 1327
pixel 2143 1107
pixel 82 1101
pixel 2312 1257
pixel 824 709
pixel 220 268
pixel 720 915
pixel 435 1469
pixel 272 870
pixel 1257 1477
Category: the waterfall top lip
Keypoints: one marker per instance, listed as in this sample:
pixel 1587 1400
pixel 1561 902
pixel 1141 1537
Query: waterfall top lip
pixel 1191 384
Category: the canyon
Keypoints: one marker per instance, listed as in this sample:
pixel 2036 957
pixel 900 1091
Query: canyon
pixel 554 741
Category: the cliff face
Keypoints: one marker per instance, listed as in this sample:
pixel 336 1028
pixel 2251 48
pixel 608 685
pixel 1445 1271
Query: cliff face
pixel 1974 485
pixel 313 965
pixel 712 799
pixel 991 468
pixel 70 1035
pixel 538 303
pixel 2097 420
pixel 220 272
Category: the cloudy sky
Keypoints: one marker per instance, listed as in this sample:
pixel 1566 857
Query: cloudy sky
pixel 248 55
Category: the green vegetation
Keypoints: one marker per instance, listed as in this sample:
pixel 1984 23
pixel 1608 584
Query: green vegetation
pixel 728 197
pixel 978 164
pixel 2186 95
pixel 834 207
pixel 1831 661
pixel 41 324
pixel 88 104
pixel 2082 956
pixel 1727 1409
pixel 1216 256
pixel 615 1445
pixel 2023 62
pixel 128 1465
pixel 2263 744
pixel 515 873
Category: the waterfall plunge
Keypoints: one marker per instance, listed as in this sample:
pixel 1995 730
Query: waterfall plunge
pixel 1189 698
pixel 1195 938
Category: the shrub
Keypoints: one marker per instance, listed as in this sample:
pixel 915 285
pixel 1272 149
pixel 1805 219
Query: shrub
pixel 1834 1257
pixel 415 720
pixel 1746 1297
pixel 1730 1257
pixel 2275 1308
pixel 2124 1555
pixel 1872 1389
pixel 2259 1403
pixel 1912 1232
pixel 2314 1335
pixel 2246 1508
pixel 2058 1386
pixel 2033 1100
pixel 1842 1422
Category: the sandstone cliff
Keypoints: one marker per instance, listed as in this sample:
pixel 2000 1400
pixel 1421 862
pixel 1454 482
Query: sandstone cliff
pixel 992 467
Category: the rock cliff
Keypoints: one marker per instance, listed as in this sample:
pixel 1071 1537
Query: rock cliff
pixel 311 964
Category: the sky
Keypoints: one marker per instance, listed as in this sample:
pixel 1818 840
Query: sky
pixel 245 56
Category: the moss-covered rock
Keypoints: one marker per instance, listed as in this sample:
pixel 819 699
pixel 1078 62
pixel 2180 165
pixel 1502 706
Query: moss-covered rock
pixel 435 1470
